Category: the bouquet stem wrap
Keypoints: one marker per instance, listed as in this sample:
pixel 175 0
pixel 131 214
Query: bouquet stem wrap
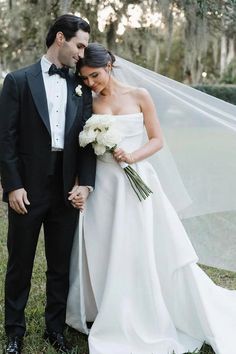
pixel 139 186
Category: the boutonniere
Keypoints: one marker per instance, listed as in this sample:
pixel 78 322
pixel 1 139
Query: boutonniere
pixel 78 90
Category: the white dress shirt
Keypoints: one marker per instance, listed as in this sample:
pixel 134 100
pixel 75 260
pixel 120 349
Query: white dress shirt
pixel 56 92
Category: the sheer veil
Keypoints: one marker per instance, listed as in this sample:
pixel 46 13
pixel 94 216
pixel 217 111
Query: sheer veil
pixel 197 166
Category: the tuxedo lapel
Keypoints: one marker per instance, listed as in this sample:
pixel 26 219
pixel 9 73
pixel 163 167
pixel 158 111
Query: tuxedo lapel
pixel 73 102
pixel 36 84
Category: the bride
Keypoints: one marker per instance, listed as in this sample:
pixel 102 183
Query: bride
pixel 133 268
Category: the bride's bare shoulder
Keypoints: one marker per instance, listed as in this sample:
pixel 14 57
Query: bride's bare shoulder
pixel 139 93
pixel 136 92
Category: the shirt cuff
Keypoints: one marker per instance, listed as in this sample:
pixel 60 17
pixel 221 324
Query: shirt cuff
pixel 90 188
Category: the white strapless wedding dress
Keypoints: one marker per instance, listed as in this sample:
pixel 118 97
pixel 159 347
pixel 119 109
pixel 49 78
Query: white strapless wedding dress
pixel 134 271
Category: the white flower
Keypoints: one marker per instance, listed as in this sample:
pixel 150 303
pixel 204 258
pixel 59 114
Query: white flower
pixel 99 121
pixel 78 90
pixel 87 136
pixel 99 149
pixel 93 120
pixel 109 137
pixel 101 132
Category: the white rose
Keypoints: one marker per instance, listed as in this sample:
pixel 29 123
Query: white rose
pixel 100 121
pixel 78 90
pixel 109 138
pixel 99 149
pixel 87 136
pixel 95 120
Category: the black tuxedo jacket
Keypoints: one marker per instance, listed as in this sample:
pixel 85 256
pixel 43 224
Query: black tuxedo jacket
pixel 25 137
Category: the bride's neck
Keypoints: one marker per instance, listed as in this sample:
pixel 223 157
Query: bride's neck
pixel 112 88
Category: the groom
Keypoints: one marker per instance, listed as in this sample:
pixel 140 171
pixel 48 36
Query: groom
pixel 42 110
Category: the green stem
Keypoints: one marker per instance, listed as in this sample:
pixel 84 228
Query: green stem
pixel 134 188
pixel 138 185
pixel 135 175
pixel 142 190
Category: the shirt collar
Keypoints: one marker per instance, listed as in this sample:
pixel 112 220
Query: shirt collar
pixel 45 64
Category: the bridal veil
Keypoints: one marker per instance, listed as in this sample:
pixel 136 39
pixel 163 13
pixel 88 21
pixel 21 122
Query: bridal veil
pixel 197 166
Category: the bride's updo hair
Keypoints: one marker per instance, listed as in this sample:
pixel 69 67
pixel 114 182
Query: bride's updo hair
pixel 96 56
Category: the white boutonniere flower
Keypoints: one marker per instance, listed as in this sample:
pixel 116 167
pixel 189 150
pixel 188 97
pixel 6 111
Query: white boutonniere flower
pixel 78 90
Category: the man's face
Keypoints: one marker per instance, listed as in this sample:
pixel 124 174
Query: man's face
pixel 70 51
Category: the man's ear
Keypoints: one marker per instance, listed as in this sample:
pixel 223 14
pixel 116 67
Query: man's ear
pixel 60 38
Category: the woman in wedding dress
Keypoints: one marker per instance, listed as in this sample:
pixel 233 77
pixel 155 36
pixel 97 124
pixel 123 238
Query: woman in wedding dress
pixel 133 268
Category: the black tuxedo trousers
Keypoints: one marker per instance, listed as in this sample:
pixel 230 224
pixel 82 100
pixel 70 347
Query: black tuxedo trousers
pixel 59 222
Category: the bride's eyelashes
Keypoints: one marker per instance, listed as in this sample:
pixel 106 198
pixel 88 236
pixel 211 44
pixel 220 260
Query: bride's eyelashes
pixel 93 75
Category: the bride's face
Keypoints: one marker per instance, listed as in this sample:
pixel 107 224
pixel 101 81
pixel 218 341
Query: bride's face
pixel 96 78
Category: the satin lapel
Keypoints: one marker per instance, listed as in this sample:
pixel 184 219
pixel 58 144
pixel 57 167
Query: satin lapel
pixel 73 102
pixel 36 84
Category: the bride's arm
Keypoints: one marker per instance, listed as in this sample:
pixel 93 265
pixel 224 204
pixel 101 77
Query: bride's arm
pixel 155 140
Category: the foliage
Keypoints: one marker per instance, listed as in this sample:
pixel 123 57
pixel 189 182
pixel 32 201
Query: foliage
pixel 226 93
pixel 169 36
pixel 23 24
pixel 229 76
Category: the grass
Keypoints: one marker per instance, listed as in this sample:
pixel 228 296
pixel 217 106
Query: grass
pixel 33 343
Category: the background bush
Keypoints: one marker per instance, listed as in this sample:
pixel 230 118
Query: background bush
pixel 224 92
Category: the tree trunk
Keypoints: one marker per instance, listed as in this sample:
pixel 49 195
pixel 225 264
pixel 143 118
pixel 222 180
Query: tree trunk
pixel 215 50
pixel 65 6
pixel 157 58
pixel 231 51
pixel 223 54
pixel 111 35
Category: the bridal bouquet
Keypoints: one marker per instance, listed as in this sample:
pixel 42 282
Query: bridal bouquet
pixel 104 137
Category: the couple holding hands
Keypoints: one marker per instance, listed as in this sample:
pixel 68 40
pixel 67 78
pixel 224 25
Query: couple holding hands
pixel 125 265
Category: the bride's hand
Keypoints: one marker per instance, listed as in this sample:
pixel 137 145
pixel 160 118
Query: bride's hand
pixel 78 196
pixel 122 156
pixel 78 202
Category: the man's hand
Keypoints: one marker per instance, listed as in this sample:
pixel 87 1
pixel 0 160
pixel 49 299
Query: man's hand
pixel 78 196
pixel 18 199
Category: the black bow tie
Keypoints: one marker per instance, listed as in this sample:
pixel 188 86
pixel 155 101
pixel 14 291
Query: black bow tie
pixel 63 72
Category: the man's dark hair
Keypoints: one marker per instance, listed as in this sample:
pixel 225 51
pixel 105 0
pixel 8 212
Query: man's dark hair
pixel 68 25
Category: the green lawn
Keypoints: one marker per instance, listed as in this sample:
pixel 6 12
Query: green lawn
pixel 34 344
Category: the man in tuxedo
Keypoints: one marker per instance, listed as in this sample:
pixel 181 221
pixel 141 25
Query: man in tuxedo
pixel 42 110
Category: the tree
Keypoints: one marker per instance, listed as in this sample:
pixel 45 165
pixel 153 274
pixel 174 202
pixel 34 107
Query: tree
pixel 185 36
